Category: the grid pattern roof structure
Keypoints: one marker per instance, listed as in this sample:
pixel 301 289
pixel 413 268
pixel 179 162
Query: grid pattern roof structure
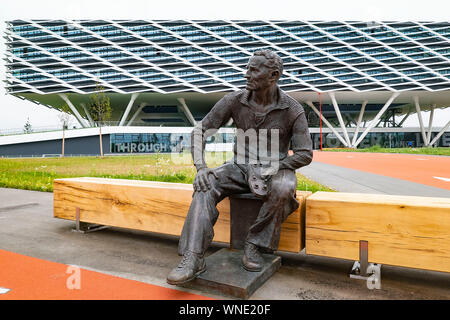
pixel 167 56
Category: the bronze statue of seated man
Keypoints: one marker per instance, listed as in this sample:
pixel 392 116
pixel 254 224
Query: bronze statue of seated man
pixel 268 119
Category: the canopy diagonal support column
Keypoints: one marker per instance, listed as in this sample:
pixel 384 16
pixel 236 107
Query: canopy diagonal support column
pixel 141 106
pixel 128 109
pixel 309 103
pixel 358 124
pixel 339 116
pixel 430 125
pixel 377 117
pixel 419 115
pixel 88 115
pixel 74 110
pixel 186 111
pixel 440 133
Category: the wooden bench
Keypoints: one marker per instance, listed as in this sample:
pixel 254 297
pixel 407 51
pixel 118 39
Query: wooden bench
pixel 153 206
pixel 400 230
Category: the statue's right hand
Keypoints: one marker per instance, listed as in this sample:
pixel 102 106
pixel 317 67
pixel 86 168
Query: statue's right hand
pixel 201 181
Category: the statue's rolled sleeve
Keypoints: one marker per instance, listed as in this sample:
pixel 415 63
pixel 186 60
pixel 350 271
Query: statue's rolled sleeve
pixel 301 145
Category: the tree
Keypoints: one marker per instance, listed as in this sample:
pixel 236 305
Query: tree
pixel 27 127
pixel 64 119
pixel 100 110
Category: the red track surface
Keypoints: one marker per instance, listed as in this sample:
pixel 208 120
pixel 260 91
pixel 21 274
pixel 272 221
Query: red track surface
pixel 32 279
pixel 416 168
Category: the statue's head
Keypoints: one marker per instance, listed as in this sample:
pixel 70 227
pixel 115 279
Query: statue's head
pixel 263 70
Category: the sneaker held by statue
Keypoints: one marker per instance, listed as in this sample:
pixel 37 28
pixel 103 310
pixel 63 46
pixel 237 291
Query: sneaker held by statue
pixel 189 268
pixel 252 259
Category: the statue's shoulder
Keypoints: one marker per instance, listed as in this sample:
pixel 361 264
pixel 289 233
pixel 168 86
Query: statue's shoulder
pixel 235 96
pixel 294 106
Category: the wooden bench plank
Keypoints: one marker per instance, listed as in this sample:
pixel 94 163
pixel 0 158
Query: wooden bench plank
pixel 401 230
pixel 153 206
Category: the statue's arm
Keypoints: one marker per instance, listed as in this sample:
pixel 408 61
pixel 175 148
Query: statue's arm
pixel 301 145
pixel 216 118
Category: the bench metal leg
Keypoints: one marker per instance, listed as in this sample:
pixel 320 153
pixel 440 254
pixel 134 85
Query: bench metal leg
pixel 363 270
pixel 85 227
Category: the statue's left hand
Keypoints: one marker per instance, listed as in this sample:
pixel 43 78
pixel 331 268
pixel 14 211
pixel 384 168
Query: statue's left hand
pixel 201 181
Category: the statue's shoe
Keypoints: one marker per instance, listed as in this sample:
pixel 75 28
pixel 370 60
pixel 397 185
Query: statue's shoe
pixel 252 259
pixel 191 266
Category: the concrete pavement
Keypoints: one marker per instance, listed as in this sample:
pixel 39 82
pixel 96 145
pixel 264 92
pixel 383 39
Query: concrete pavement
pixel 350 180
pixel 27 227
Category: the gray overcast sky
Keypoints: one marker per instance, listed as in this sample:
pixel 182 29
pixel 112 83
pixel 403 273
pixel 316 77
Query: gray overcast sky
pixel 14 112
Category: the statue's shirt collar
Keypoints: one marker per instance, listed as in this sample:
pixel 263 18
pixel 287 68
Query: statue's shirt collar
pixel 282 102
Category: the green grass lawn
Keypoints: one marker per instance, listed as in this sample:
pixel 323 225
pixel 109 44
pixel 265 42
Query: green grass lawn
pixel 39 173
pixel 441 151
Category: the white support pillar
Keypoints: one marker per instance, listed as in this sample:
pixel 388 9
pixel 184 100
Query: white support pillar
pixel 358 124
pixel 186 111
pixel 88 115
pixel 377 117
pixel 127 110
pixel 141 106
pixel 341 121
pixel 419 115
pixel 74 110
pixel 309 103
pixel 430 125
pixel 440 133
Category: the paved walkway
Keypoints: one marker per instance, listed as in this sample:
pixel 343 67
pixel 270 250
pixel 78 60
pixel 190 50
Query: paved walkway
pixel 27 227
pixel 400 174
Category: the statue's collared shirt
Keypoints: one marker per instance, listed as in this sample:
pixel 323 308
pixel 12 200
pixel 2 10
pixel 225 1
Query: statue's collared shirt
pixel 260 136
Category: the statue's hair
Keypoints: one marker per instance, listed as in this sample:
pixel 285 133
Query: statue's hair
pixel 273 59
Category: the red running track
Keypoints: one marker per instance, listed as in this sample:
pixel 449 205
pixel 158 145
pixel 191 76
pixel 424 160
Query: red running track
pixel 36 279
pixel 424 169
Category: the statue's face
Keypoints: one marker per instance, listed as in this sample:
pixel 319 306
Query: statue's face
pixel 258 75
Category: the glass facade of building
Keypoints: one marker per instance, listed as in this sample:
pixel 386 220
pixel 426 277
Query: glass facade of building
pixel 166 56
pixel 147 67
pixel 179 142
pixel 159 142
pixel 382 139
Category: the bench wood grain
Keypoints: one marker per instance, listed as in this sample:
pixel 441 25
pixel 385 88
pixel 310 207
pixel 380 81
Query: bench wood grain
pixel 153 206
pixel 401 230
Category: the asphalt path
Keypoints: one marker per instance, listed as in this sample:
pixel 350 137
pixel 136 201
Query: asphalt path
pixel 382 173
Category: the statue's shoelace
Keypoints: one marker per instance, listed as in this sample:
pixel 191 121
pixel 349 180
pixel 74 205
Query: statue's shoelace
pixel 185 260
